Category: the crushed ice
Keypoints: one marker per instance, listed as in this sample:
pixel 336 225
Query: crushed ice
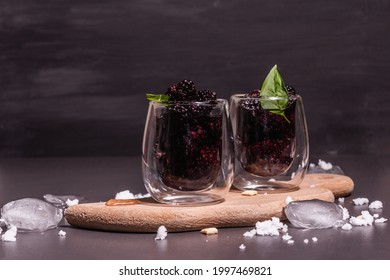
pixel 365 219
pixel 288 200
pixel 126 194
pixel 324 167
pixel 313 214
pixel 62 200
pixel 376 205
pixel 162 233
pixel 345 213
pixel 10 235
pixel 380 220
pixel 286 236
pixel 360 201
pixel 346 226
pixel 72 202
pixel 269 227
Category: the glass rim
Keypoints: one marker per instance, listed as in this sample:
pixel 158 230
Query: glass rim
pixel 242 96
pixel 219 101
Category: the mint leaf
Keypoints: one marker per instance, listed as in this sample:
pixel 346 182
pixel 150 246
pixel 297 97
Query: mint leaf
pixel 273 94
pixel 157 97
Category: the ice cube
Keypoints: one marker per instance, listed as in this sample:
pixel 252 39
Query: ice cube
pixel 60 200
pixel 31 214
pixel 313 214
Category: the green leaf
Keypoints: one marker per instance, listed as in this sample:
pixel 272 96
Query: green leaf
pixel 273 94
pixel 157 97
pixel 280 112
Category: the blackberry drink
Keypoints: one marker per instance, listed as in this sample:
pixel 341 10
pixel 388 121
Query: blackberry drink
pixel 187 151
pixel 270 137
pixel 189 145
pixel 265 141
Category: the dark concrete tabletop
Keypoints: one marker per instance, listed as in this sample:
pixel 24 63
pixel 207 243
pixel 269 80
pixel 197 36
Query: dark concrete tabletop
pixel 99 179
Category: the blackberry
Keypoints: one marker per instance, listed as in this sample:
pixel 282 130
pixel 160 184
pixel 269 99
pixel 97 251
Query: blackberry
pixel 183 91
pixel 292 94
pixel 187 89
pixel 252 102
pixel 175 94
pixel 205 95
pixel 254 93
pixel 181 110
pixel 171 91
pixel 189 110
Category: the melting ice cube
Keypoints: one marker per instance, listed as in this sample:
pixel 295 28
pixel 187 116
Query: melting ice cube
pixel 31 214
pixel 313 214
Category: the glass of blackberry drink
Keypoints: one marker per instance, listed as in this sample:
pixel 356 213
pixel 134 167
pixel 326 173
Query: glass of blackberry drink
pixel 271 138
pixel 187 148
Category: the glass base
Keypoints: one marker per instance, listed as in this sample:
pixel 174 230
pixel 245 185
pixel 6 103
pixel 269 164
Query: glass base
pixel 191 199
pixel 264 186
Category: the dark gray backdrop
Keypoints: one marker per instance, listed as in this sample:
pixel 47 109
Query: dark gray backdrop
pixel 73 74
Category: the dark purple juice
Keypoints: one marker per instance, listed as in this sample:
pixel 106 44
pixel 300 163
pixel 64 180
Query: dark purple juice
pixel 265 140
pixel 188 146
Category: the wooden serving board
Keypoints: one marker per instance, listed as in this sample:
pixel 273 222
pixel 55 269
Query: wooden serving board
pixel 236 211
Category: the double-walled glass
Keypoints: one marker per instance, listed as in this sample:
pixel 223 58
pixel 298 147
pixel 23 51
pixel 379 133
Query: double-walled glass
pixel 188 155
pixel 271 145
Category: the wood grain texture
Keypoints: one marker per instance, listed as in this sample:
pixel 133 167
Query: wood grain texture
pixel 74 73
pixel 236 211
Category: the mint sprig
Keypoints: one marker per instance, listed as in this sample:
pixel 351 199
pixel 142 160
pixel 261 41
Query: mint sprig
pixel 157 97
pixel 273 94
